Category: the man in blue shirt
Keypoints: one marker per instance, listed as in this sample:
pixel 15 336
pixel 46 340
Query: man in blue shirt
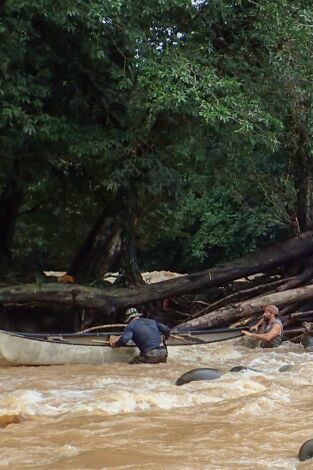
pixel 146 334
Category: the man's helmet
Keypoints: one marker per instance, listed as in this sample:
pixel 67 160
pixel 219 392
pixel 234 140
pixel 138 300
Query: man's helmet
pixel 131 313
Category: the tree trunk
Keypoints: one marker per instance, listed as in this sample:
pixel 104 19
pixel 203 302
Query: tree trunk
pixel 10 202
pixel 300 279
pixel 299 148
pixel 100 250
pixel 113 302
pixel 128 260
pixel 305 194
pixel 114 299
pixel 247 308
pixel 111 240
pixel 236 296
pixel 58 294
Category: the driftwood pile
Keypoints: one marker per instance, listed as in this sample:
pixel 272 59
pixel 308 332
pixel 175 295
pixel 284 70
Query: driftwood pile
pixel 232 295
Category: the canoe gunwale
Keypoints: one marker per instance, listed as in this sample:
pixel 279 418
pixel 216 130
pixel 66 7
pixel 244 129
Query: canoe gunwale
pixel 64 338
pixel 23 349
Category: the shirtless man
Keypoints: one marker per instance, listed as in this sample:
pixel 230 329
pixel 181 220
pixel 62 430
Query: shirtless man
pixel 273 333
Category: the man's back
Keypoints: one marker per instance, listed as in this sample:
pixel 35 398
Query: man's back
pixel 145 333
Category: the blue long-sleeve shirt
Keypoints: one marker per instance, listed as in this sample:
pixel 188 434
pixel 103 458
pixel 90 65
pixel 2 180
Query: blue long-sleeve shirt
pixel 145 333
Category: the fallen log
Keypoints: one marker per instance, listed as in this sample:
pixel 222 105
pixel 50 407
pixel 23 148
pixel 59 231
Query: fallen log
pixel 244 309
pixel 56 294
pixel 296 281
pixel 241 295
pixel 290 308
pixel 113 300
pixel 301 314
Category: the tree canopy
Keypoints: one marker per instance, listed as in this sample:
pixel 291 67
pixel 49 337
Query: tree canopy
pixel 187 122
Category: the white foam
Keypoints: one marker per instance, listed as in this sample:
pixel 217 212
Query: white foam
pixel 20 401
pixel 209 354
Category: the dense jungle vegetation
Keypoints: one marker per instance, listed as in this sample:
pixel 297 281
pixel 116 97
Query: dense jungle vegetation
pixel 165 134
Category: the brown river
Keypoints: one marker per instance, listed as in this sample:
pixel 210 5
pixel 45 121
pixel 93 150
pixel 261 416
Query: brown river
pixel 135 417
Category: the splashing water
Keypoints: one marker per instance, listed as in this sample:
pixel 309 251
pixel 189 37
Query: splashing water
pixel 121 416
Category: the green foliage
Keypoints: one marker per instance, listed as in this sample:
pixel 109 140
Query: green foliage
pixel 187 112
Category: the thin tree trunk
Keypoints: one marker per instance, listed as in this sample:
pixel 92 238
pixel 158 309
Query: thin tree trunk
pixel 128 260
pixel 100 250
pixel 299 145
pixel 10 202
pixel 300 279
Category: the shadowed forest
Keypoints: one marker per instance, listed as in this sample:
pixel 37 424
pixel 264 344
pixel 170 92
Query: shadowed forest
pixel 141 136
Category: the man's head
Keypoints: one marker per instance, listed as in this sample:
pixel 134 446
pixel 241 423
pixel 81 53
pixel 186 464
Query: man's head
pixel 270 311
pixel 131 313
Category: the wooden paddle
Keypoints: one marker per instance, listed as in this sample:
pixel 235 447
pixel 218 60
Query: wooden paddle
pixel 100 341
pixel 180 338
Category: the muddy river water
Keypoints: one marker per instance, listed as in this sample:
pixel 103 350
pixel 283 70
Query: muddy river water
pixel 135 417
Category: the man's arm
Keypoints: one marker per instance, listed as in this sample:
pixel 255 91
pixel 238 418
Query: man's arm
pixel 118 341
pixel 165 330
pixel 257 325
pixel 275 331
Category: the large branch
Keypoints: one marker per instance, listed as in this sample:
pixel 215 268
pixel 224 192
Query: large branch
pixel 295 249
pixel 56 294
pixel 247 308
pixel 111 300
